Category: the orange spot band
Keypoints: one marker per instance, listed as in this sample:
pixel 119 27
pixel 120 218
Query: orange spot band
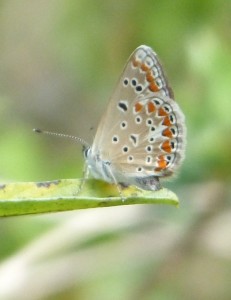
pixel 135 63
pixel 144 67
pixel 167 132
pixel 151 107
pixel 162 112
pixel 166 146
pixel 166 121
pixel 149 76
pixel 138 107
pixel 153 87
pixel 162 164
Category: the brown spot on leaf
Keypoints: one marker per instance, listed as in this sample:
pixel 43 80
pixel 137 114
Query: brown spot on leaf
pixel 47 184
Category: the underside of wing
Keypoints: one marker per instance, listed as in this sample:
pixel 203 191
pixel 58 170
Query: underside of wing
pixel 142 130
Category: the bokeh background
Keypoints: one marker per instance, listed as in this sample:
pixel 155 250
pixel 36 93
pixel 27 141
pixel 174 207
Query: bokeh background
pixel 59 62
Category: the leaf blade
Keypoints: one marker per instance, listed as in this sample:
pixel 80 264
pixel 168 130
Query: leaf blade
pixel 22 198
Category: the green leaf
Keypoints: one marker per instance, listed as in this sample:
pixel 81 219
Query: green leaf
pixel 23 198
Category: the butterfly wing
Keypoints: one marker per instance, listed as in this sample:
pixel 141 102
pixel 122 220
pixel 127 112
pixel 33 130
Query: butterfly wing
pixel 142 132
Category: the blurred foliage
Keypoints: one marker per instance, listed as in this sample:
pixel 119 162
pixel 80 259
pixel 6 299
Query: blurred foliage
pixel 59 63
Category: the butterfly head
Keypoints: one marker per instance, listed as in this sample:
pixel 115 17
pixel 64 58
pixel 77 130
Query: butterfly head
pixel 86 151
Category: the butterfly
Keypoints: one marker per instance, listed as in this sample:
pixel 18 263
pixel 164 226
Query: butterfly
pixel 142 134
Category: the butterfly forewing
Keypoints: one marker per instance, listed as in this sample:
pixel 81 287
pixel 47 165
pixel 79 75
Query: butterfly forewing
pixel 142 132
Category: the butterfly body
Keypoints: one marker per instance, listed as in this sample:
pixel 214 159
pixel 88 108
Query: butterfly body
pixel 141 136
pixel 104 170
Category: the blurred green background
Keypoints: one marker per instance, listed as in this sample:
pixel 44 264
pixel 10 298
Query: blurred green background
pixel 59 63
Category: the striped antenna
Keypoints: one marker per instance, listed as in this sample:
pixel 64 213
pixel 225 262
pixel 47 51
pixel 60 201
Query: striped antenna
pixel 81 141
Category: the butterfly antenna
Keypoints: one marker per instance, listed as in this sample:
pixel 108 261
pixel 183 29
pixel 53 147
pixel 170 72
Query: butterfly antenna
pixel 81 141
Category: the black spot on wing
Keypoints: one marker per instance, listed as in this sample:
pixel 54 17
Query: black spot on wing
pixel 123 106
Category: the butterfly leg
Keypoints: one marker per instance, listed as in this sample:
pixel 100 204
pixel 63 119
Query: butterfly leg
pixel 116 183
pixel 83 179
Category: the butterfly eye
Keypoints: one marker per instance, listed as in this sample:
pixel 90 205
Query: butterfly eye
pixel 86 152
